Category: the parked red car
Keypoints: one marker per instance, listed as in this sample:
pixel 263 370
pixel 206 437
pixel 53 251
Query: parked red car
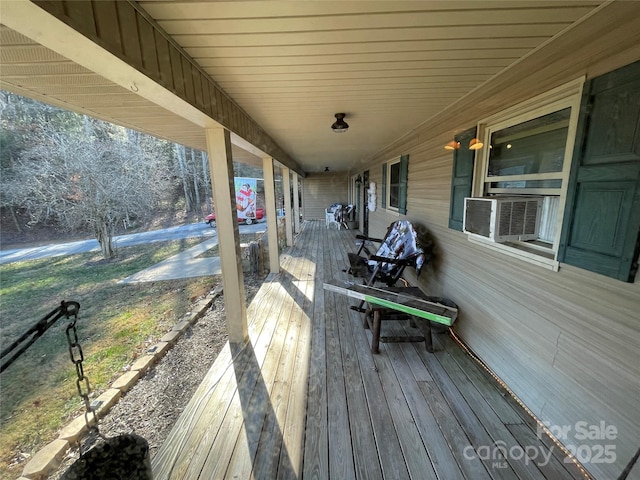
pixel 259 215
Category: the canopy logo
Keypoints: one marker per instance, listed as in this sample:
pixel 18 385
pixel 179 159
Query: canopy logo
pixel 499 454
pixel 585 442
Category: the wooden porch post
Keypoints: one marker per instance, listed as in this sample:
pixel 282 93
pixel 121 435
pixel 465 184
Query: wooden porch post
pixel 272 218
pixel 221 169
pixel 296 203
pixel 288 213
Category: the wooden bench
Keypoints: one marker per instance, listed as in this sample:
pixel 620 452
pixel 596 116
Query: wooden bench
pixel 400 248
pixel 398 303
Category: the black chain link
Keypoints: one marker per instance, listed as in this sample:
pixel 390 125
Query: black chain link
pixel 82 382
pixel 19 346
pixel 12 352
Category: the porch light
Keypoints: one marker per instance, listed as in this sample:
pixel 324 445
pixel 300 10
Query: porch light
pixel 475 144
pixel 358 180
pixel 452 145
pixel 340 126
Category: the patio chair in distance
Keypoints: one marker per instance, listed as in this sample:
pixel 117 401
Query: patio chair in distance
pixel 339 215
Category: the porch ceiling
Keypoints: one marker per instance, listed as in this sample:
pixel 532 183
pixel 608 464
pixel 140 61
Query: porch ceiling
pixel 389 65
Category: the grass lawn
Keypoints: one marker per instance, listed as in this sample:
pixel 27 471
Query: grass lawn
pixel 116 323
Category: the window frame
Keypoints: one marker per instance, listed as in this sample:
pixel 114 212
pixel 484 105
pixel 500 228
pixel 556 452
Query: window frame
pixel 390 165
pixel 353 195
pixel 568 95
pixel 561 175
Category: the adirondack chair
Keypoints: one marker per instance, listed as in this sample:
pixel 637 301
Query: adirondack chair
pixel 400 248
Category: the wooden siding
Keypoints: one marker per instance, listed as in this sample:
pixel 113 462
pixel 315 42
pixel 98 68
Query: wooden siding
pixel 566 343
pixel 320 190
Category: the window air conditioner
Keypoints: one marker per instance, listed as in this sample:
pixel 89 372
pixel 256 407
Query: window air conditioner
pixel 503 219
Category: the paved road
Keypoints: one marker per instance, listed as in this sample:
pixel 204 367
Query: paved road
pixel 193 230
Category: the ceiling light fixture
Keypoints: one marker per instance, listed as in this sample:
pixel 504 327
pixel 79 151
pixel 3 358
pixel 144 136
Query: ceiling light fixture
pixel 475 144
pixel 340 126
pixel 452 145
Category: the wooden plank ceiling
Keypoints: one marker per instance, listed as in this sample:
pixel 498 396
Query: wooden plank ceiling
pixel 389 65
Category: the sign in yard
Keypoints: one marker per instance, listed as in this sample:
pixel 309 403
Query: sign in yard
pixel 246 197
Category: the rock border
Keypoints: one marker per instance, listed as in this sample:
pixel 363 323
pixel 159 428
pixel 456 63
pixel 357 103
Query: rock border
pixel 49 457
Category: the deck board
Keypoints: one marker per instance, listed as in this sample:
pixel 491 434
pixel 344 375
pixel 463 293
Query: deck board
pixel 248 373
pixel 496 400
pixel 487 416
pixel 365 452
pixel 316 444
pixel 259 410
pixel 294 428
pixel 306 398
pixel 464 413
pixel 191 435
pixel 415 455
pixel 455 437
pixel 341 464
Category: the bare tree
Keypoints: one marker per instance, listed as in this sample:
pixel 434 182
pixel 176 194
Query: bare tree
pixel 205 178
pixel 193 174
pixel 181 156
pixel 17 127
pixel 98 179
pixel 197 179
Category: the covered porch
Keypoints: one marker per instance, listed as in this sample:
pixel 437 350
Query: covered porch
pixel 306 398
pixel 261 83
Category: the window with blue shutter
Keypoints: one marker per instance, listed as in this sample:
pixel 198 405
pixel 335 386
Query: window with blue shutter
pixel 598 182
pixel 461 178
pixel 395 175
pixel 602 215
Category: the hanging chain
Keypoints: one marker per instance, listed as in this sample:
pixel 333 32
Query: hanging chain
pixel 77 357
pixel 12 352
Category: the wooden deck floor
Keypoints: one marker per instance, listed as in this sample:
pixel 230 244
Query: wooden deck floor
pixel 307 399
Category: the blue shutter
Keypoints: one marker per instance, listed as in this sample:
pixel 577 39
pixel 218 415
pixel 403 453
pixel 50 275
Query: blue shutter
pixel 601 224
pixel 384 185
pixel 402 190
pixel 461 178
